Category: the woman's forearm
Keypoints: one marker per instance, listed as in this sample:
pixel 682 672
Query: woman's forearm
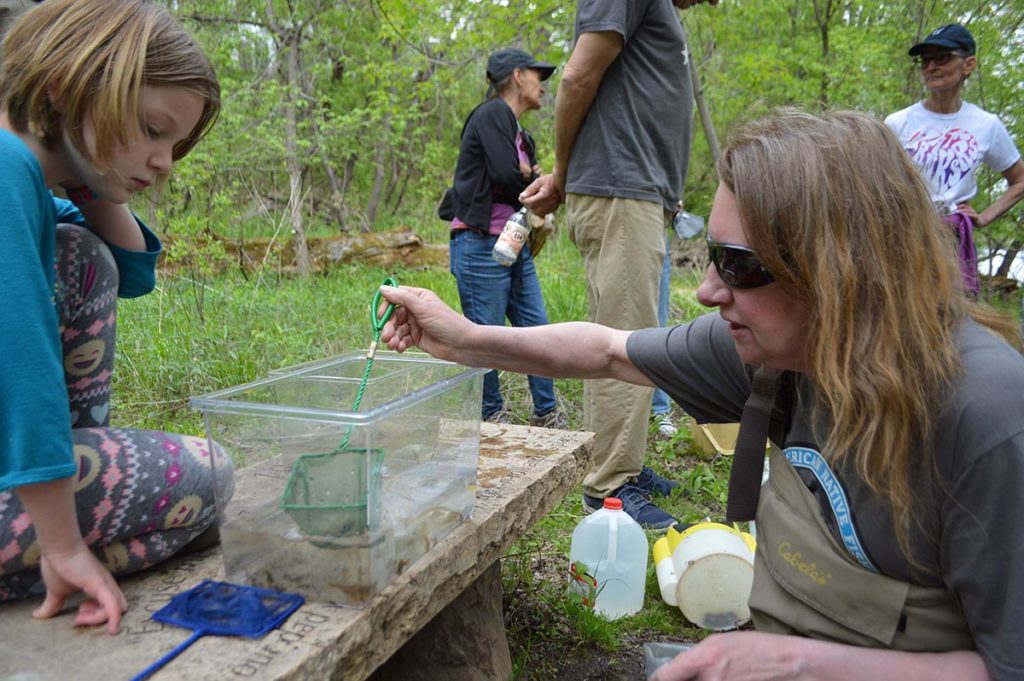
pixel 752 655
pixel 565 350
pixel 1008 199
pixel 837 662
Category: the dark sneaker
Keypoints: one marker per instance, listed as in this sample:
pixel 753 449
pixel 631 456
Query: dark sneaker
pixel 652 483
pixel 553 419
pixel 503 415
pixel 637 504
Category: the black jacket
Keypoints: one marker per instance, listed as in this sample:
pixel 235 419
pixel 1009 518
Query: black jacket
pixel 488 167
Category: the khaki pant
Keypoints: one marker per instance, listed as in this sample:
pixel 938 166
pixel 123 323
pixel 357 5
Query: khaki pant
pixel 622 242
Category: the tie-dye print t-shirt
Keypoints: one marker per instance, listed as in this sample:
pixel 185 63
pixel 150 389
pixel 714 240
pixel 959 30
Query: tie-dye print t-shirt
pixel 948 148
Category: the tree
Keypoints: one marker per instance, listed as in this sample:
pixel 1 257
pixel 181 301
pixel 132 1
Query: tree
pixel 347 115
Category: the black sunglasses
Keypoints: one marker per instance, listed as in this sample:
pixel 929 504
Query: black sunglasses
pixel 940 58
pixel 738 266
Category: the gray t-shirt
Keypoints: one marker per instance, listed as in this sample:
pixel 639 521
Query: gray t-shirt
pixel 635 140
pixel 973 514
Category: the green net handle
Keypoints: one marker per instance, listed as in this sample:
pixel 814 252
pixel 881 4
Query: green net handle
pixel 377 322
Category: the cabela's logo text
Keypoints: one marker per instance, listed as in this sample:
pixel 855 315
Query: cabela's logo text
pixel 796 560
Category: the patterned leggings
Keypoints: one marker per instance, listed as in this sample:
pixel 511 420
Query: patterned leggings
pixel 141 495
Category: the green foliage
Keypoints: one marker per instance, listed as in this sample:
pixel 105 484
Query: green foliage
pixel 378 91
pixel 589 626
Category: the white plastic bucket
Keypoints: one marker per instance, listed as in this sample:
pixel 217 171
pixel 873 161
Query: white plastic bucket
pixel 707 570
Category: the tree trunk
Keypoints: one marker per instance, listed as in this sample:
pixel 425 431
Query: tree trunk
pixel 394 175
pixel 1011 254
pixel 380 156
pixel 337 196
pixel 702 107
pixel 292 161
pixel 823 18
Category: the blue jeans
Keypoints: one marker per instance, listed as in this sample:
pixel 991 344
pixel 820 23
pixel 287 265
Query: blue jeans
pixel 491 292
pixel 660 403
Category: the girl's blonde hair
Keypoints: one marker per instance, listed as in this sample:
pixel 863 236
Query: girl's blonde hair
pixel 838 212
pixel 66 61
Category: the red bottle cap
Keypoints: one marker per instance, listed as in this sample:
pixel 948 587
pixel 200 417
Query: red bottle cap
pixel 613 504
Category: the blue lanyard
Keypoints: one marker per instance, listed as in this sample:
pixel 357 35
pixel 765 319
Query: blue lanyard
pixel 808 459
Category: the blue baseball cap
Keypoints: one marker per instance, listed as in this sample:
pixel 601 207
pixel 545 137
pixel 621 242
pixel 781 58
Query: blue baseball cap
pixel 953 36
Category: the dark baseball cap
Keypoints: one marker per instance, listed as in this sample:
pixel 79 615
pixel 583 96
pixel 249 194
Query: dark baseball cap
pixel 502 63
pixel 953 36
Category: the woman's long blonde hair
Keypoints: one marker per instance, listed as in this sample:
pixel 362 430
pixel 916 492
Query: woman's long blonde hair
pixel 839 214
pixel 66 61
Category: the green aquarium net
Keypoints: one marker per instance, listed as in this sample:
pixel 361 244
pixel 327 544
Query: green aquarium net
pixel 328 494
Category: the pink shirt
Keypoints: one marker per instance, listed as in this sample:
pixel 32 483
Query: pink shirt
pixel 500 212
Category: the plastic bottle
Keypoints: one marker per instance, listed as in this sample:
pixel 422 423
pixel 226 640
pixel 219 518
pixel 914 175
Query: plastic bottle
pixel 608 561
pixel 513 236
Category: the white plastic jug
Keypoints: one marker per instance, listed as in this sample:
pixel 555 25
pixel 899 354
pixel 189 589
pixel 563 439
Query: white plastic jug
pixel 608 561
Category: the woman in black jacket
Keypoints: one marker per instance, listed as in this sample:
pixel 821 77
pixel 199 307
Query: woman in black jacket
pixel 497 160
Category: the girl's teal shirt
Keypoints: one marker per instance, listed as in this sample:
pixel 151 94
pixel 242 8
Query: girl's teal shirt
pixel 35 421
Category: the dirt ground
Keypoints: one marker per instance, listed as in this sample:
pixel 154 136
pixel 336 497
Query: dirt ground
pixel 588 664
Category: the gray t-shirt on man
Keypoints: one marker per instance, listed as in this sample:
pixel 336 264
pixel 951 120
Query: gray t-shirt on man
pixel 635 140
pixel 971 542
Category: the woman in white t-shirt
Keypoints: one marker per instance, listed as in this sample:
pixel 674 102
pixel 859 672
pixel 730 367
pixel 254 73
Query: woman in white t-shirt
pixel 949 138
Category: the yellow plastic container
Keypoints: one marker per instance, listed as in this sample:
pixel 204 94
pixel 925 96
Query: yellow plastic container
pixel 715 438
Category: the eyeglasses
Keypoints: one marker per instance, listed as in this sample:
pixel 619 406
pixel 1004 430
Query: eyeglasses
pixel 939 58
pixel 738 266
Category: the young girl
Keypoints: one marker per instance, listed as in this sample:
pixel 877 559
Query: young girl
pixel 99 98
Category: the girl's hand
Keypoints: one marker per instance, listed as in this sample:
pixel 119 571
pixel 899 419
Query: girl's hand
pixel 66 573
pixel 67 564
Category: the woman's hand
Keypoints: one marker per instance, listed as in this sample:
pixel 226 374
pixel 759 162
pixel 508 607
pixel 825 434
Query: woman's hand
pixel 422 319
pixel 736 656
pixel 755 656
pixel 68 572
pixel 969 211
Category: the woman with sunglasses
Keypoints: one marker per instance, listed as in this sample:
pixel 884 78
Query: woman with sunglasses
pixel 888 545
pixel 949 139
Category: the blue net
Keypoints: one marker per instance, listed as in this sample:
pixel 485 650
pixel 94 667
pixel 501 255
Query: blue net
pixel 229 609
pixel 223 609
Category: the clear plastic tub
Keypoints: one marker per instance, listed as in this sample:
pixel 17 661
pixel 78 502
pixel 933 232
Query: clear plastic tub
pixel 334 503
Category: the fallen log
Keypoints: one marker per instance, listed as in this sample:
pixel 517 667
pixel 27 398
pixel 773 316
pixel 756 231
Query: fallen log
pixel 217 253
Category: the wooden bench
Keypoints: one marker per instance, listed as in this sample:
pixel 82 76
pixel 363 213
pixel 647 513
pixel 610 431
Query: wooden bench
pixel 441 619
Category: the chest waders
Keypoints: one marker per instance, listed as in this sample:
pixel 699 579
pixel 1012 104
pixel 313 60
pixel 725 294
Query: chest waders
pixel 807 583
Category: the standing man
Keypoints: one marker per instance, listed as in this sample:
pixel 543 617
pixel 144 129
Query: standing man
pixel 622 141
